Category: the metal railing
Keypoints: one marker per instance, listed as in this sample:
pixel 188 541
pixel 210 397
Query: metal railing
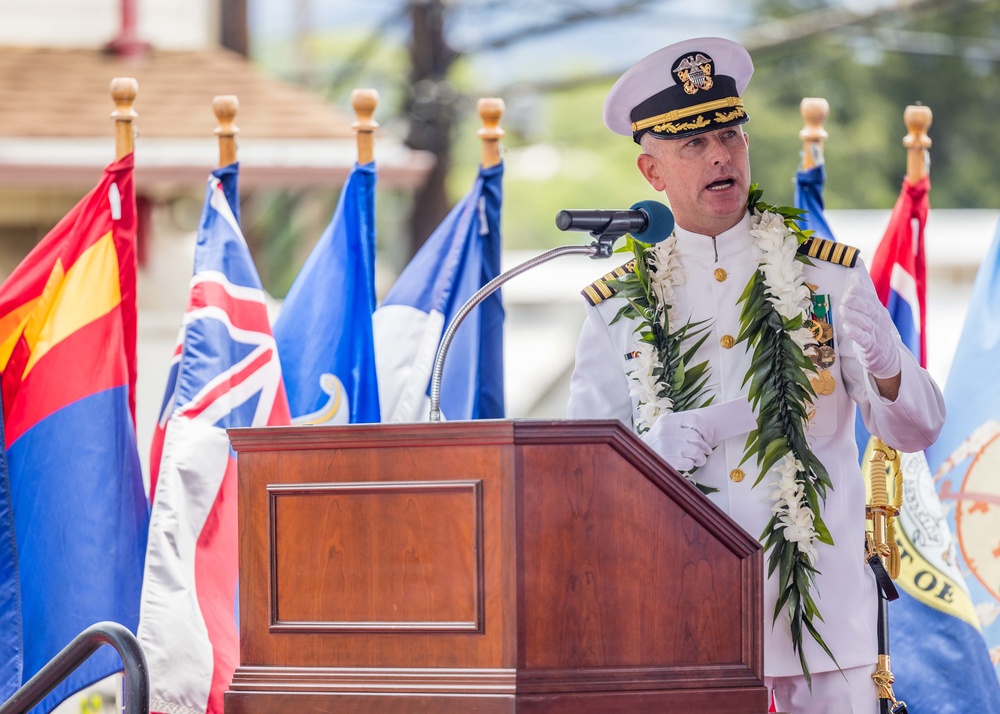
pixel 74 654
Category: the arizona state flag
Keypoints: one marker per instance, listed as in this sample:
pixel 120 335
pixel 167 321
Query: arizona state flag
pixel 74 503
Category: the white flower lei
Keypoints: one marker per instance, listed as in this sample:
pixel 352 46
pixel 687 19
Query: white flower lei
pixel 665 273
pixel 798 480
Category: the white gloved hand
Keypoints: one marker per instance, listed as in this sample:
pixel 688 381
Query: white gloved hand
pixel 867 322
pixel 683 439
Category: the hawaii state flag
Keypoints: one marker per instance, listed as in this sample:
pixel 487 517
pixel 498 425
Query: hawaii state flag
pixel 939 658
pixel 460 257
pixel 966 463
pixel 73 512
pixel 324 329
pixel 225 374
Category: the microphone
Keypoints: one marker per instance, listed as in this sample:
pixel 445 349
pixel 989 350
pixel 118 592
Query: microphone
pixel 646 221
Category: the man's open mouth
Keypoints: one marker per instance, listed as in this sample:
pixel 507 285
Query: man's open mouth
pixel 720 185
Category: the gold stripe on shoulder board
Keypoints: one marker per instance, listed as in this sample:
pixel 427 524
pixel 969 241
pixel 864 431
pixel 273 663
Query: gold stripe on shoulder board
pixel 830 251
pixel 599 291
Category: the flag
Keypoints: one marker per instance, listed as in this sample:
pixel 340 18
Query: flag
pixel 460 257
pixel 324 330
pixel 225 373
pixel 809 197
pixel 73 511
pixel 964 458
pixel 939 658
pixel 899 272
pixel 899 268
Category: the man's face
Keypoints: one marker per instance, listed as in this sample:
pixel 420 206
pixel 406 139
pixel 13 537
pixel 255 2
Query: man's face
pixel 706 177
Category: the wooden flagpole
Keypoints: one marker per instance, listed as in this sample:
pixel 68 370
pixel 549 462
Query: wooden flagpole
pixel 123 91
pixel 814 111
pixel 364 101
pixel 490 110
pixel 225 107
pixel 918 120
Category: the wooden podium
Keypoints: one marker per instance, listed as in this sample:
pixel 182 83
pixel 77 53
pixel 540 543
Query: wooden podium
pixel 487 567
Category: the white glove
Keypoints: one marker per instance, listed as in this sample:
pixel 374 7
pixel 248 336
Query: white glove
pixel 683 439
pixel 867 322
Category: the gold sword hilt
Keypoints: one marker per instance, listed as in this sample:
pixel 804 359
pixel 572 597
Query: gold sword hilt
pixel 882 539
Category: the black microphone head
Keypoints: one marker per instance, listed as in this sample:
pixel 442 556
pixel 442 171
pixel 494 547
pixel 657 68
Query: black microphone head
pixel 660 223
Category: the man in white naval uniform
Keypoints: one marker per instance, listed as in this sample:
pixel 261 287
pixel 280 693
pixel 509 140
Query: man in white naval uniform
pixel 705 174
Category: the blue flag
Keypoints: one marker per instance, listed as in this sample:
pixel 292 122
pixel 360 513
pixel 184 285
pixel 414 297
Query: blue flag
pixel 809 197
pixel 460 257
pixel 324 330
pixel 964 460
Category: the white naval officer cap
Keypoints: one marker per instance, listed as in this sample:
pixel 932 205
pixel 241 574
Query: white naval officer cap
pixel 686 88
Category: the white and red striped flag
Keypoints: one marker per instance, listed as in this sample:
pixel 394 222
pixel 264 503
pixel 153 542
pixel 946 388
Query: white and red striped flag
pixel 225 374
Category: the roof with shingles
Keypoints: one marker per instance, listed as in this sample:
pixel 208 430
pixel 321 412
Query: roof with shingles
pixel 56 127
pixel 56 92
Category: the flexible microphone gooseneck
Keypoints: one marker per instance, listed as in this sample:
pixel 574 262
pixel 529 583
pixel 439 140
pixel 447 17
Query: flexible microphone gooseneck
pixel 646 221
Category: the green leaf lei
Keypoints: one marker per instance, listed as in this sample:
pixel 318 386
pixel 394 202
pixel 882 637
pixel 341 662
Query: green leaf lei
pixel 669 382
pixel 781 395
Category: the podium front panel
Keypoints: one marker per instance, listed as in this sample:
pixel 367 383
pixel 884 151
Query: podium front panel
pixel 363 555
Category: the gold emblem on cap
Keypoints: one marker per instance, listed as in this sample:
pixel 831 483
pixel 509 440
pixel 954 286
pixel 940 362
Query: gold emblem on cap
pixel 728 341
pixel 695 73
pixel 720 275
pixel 823 383
pixel 737 475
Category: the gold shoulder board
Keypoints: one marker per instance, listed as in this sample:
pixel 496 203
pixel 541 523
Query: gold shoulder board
pixel 830 251
pixel 598 291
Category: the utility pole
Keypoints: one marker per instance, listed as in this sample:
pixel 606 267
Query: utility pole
pixel 431 110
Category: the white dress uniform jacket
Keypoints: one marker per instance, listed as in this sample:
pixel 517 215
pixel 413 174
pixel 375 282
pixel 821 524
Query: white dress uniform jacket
pixel 716 270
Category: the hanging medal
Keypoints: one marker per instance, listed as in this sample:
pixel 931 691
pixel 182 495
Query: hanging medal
pixel 822 354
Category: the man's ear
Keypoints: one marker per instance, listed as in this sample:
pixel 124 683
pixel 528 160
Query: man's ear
pixel 649 167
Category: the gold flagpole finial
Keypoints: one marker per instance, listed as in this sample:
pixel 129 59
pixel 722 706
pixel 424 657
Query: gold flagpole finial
pixel 490 110
pixel 364 101
pixel 124 91
pixel 918 120
pixel 814 111
pixel 225 107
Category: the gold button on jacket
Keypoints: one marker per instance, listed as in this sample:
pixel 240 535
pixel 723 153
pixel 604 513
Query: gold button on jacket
pixel 728 341
pixel 720 275
pixel 737 475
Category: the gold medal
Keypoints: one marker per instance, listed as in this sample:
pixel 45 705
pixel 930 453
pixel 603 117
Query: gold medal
pixel 823 383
